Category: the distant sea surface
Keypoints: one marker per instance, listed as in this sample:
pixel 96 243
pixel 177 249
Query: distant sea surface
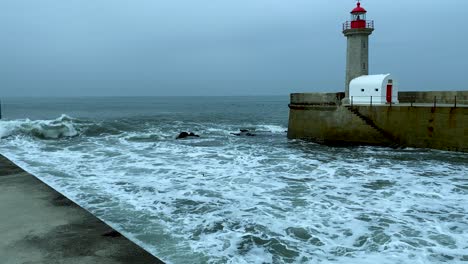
pixel 223 198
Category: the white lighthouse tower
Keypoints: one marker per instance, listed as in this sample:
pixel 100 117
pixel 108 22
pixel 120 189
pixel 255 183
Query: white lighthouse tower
pixel 357 56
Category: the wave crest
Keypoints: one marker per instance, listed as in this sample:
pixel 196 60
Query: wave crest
pixel 62 127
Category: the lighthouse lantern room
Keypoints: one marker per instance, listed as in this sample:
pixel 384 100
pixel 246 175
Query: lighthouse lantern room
pixel 358 17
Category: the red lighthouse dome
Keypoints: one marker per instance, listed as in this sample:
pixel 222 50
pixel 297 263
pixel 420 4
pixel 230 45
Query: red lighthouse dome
pixel 358 9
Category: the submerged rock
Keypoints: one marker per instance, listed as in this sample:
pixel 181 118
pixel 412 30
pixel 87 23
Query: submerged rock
pixel 186 135
pixel 244 132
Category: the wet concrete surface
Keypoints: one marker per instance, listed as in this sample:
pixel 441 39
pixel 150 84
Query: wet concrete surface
pixel 39 225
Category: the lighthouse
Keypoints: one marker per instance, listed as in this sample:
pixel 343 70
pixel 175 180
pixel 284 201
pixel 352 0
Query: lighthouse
pixel 357 32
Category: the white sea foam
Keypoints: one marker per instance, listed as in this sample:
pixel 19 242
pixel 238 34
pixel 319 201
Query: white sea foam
pixel 272 128
pixel 7 128
pixel 243 201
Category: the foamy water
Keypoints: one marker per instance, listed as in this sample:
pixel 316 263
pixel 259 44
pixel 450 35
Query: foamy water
pixel 223 198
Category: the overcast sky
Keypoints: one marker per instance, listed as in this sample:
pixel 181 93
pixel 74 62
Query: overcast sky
pixel 222 47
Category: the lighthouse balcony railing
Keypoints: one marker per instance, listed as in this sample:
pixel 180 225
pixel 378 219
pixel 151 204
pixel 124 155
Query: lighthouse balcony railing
pixel 358 24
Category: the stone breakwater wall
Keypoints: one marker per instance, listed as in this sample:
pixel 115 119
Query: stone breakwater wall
pixel 40 225
pixel 322 118
pixel 444 97
pixel 316 98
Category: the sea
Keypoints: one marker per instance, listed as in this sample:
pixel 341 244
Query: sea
pixel 232 197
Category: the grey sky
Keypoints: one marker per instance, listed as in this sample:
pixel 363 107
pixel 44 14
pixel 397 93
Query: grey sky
pixel 221 47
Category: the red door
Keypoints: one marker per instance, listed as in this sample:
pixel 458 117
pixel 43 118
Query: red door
pixel 389 93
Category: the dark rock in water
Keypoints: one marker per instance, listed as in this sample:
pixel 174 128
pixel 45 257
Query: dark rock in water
pixel 182 135
pixel 244 132
pixel 186 135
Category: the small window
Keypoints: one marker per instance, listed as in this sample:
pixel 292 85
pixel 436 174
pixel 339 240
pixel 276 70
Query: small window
pixel 363 65
pixel 363 45
pixel 362 90
pixel 376 89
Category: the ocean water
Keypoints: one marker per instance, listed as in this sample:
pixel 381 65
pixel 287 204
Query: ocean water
pixel 222 198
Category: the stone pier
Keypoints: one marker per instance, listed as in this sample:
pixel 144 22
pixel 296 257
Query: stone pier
pixel 39 225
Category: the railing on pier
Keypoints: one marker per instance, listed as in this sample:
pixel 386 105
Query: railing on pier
pixel 409 100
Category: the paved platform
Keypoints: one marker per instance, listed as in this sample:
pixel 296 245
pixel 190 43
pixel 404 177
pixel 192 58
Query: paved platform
pixel 39 225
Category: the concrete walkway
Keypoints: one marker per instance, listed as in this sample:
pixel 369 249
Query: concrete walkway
pixel 39 225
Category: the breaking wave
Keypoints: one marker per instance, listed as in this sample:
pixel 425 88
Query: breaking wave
pixel 62 127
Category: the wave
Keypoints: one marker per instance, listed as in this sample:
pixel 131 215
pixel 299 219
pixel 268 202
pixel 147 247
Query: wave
pixel 261 128
pixel 62 127
pixel 275 129
pixel 132 129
